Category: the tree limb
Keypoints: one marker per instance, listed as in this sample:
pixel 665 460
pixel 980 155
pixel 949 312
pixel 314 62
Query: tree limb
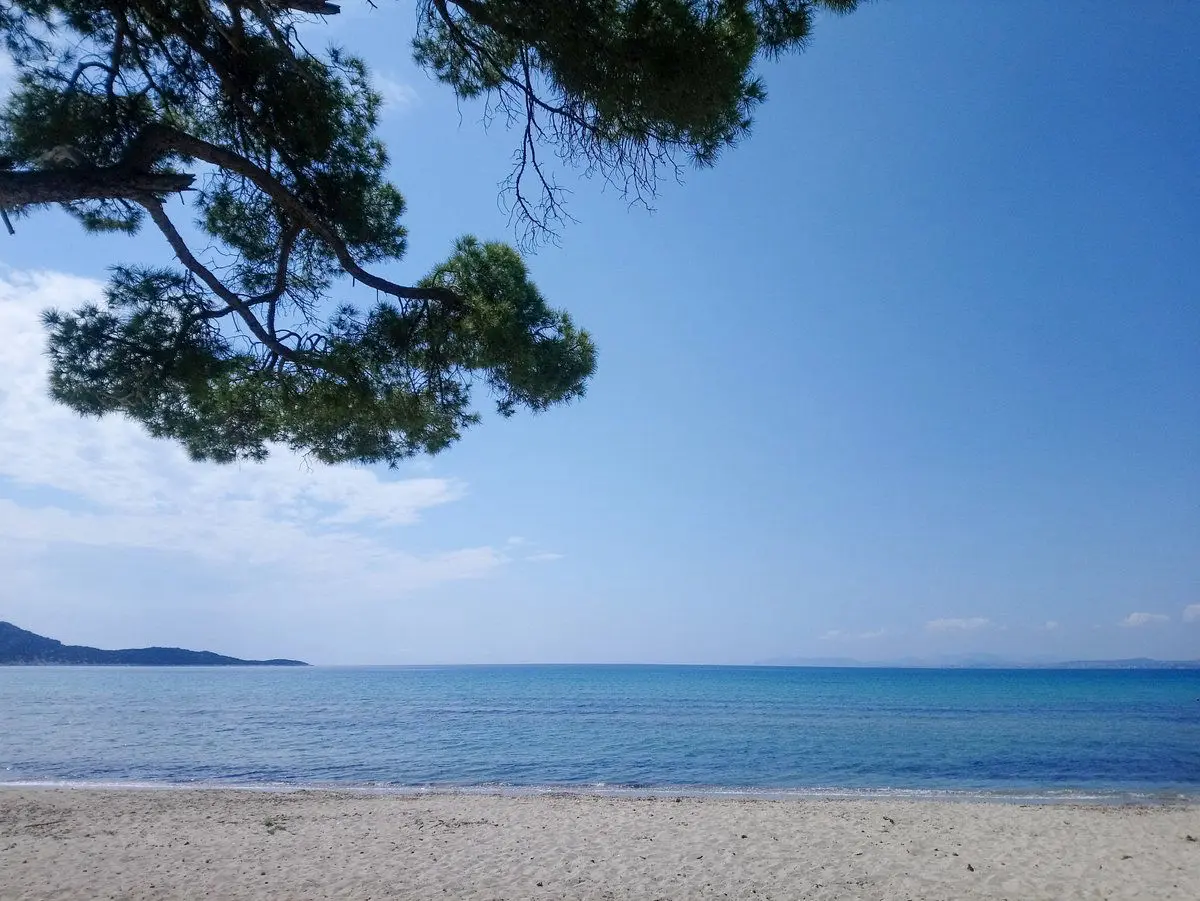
pixel 287 243
pixel 316 7
pixel 185 255
pixel 188 145
pixel 27 187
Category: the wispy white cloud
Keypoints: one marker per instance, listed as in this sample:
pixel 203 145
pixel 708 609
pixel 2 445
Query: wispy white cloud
pixel 1050 625
pixel 396 95
pixel 968 624
pixel 839 635
pixel 543 557
pixel 1134 620
pixel 1191 613
pixel 104 483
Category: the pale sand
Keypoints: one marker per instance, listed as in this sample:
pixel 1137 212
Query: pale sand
pixel 130 844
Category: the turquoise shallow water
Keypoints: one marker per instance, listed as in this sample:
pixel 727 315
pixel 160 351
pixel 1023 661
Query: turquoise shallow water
pixel 1013 733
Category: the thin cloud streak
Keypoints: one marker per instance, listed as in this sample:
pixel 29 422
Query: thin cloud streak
pixel 968 624
pixel 1137 620
pixel 543 557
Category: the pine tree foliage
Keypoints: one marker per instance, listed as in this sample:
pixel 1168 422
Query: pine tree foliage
pixel 260 336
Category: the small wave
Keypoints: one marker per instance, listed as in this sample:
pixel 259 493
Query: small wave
pixel 600 789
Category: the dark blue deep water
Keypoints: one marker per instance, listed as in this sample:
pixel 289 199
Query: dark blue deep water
pixel 1010 732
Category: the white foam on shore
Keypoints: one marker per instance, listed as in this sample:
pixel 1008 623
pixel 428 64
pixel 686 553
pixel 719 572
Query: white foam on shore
pixel 1013 796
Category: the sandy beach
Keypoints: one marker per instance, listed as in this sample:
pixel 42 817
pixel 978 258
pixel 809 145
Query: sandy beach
pixel 142 844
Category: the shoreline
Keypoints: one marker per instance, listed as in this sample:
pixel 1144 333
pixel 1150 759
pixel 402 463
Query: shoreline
pixel 71 844
pixel 1020 797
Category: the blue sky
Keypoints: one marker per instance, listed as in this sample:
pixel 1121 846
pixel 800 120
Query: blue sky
pixel 913 371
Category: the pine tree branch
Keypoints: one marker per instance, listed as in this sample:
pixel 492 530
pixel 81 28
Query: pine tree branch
pixel 235 303
pixel 33 187
pixel 316 7
pixel 166 137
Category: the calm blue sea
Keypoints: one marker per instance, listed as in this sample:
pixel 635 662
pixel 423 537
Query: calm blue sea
pixel 1026 733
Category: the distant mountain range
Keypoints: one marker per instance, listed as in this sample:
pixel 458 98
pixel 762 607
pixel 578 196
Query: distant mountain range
pixel 20 647
pixel 984 661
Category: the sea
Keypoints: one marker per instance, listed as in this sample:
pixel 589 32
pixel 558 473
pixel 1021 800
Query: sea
pixel 1017 735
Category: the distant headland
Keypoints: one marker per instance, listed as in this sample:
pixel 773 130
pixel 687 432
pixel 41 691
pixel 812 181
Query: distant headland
pixel 19 647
